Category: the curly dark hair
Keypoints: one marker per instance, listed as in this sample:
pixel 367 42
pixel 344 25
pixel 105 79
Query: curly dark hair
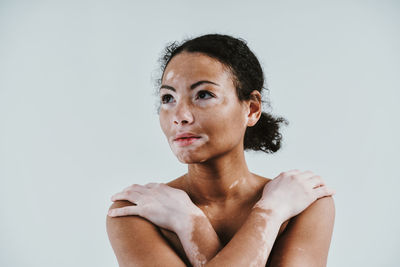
pixel 247 76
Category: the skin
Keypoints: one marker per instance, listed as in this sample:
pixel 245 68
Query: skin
pixel 218 212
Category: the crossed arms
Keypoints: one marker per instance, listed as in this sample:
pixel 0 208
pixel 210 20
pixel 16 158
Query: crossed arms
pixel 138 242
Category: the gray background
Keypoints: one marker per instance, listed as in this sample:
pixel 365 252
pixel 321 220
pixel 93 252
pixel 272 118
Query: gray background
pixel 78 120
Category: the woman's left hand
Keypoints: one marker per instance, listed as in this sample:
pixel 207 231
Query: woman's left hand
pixel 165 206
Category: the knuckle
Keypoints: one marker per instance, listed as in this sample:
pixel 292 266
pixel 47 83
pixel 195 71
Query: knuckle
pixel 294 177
pixel 329 190
pixel 128 191
pixel 309 188
pixel 286 173
pixel 324 189
pixel 127 188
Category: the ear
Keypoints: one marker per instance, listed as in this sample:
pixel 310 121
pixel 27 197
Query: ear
pixel 254 108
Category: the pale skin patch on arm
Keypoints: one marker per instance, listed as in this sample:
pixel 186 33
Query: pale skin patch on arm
pixel 263 232
pixel 254 243
pixel 198 234
pixel 197 239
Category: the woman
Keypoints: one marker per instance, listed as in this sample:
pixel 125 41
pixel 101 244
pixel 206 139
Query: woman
pixel 219 213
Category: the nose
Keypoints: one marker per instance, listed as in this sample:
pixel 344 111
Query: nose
pixel 183 114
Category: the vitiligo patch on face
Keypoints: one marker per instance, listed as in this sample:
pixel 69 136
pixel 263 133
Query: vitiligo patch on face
pixel 186 154
pixel 169 75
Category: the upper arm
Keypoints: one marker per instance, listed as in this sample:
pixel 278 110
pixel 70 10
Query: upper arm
pixel 306 240
pixel 138 242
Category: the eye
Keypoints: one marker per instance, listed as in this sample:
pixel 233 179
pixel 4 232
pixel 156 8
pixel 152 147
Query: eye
pixel 166 98
pixel 203 94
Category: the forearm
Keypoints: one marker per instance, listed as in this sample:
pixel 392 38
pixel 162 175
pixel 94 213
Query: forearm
pixel 252 244
pixel 199 240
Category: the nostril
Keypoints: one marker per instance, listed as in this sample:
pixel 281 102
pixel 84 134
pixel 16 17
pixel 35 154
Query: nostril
pixel 184 121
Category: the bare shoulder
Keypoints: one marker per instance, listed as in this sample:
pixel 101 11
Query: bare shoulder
pixel 138 242
pixel 262 180
pixel 307 238
pixel 322 207
pixel 177 183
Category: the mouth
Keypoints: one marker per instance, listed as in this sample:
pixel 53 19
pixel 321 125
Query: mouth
pixel 185 141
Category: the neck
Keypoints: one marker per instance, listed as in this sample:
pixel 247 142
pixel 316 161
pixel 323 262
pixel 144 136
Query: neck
pixel 220 180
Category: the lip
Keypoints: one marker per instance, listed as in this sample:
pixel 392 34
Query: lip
pixel 178 137
pixel 186 141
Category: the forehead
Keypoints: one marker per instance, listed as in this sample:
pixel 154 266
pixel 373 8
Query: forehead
pixel 191 66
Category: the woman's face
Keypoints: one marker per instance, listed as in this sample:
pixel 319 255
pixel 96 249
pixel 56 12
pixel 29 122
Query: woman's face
pixel 198 98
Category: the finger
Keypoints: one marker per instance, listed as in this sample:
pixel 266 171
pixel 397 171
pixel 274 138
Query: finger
pixel 136 187
pixel 293 171
pixel 324 191
pixel 151 185
pixel 287 173
pixel 131 196
pixel 306 174
pixel 316 181
pixel 132 186
pixel 124 211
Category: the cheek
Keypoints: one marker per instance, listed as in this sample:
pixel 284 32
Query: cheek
pixel 225 126
pixel 165 126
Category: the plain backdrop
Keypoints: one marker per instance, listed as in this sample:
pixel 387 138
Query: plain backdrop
pixel 78 120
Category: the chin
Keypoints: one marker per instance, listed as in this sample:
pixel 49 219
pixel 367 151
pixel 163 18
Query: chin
pixel 189 155
pixel 196 154
pixel 190 158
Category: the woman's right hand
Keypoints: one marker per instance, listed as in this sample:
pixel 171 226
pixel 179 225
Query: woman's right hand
pixel 293 191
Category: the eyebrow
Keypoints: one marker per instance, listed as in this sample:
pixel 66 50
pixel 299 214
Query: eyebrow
pixel 193 86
